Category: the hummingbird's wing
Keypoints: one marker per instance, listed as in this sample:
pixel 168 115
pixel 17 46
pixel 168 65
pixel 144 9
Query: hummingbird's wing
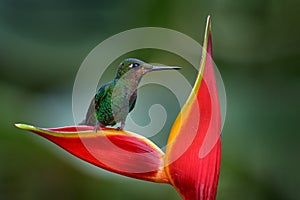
pixel 132 101
pixel 90 118
pixel 103 93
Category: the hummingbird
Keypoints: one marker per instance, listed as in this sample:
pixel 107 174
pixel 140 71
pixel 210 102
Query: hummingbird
pixel 116 99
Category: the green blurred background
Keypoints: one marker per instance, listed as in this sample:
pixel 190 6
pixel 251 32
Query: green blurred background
pixel 256 47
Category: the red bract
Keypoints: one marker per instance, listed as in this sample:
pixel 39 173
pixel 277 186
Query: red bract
pixel 195 172
pixel 192 160
pixel 117 151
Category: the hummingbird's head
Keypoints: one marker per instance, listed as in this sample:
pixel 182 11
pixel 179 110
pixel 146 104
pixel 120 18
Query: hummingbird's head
pixel 138 68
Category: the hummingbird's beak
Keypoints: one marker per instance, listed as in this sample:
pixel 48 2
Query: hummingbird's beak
pixel 150 68
pixel 156 68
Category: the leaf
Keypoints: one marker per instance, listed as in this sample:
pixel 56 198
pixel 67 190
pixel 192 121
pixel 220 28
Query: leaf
pixel 194 146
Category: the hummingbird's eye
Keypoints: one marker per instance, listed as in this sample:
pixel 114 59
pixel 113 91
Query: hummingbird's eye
pixel 134 65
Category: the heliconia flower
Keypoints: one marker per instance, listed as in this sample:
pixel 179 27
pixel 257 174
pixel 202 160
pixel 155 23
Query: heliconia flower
pixel 192 159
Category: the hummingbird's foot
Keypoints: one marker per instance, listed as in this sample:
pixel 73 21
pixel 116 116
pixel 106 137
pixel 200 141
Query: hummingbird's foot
pixel 121 127
pixel 95 129
pixel 96 126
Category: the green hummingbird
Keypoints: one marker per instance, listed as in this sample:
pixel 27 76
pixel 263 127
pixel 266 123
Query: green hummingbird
pixel 116 99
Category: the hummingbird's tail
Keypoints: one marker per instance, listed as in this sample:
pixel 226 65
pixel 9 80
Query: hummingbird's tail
pixel 87 123
pixel 90 119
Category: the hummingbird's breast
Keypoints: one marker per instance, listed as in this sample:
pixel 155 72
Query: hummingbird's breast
pixel 121 101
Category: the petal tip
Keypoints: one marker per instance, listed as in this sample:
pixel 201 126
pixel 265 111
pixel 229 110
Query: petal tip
pixel 24 126
pixel 208 19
